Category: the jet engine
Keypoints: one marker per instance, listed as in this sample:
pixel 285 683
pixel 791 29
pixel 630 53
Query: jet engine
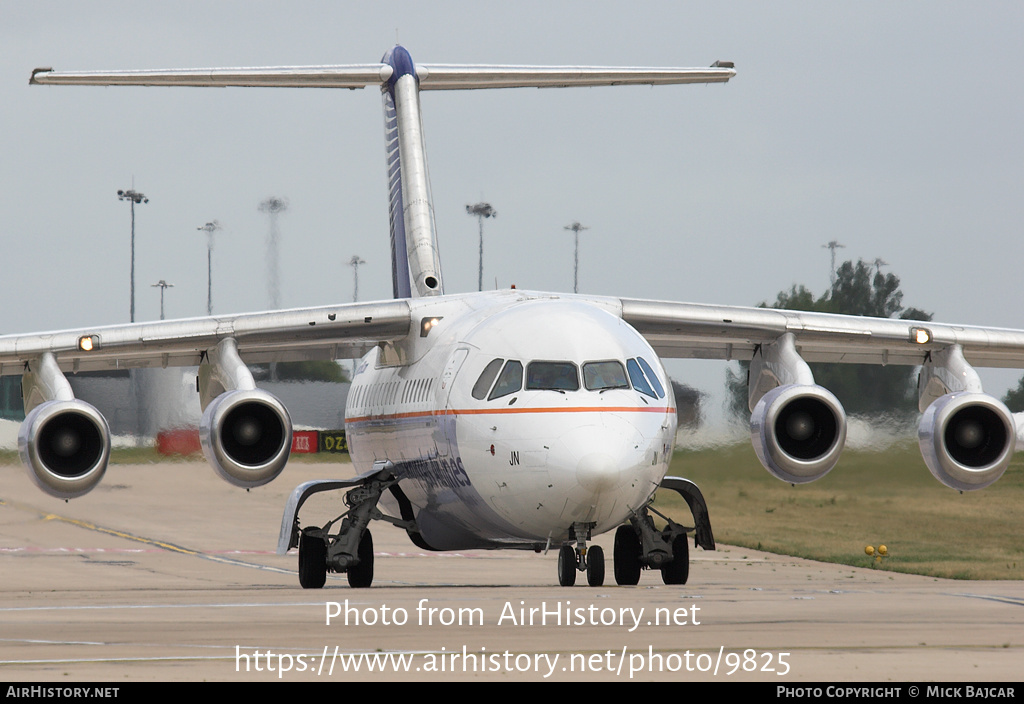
pixel 247 436
pixel 967 439
pixel 65 446
pixel 798 432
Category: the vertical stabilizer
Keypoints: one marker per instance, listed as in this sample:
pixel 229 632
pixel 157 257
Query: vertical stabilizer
pixel 415 264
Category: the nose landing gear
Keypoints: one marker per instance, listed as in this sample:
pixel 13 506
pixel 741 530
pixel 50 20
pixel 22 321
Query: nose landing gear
pixel 581 559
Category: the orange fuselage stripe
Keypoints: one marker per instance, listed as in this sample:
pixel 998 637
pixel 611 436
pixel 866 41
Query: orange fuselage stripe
pixel 500 411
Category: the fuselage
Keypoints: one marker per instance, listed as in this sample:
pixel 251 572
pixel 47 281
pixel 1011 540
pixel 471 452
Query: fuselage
pixel 511 417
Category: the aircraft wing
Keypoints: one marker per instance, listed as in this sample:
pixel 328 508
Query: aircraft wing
pixel 696 331
pixel 246 432
pixel 798 428
pixel 329 332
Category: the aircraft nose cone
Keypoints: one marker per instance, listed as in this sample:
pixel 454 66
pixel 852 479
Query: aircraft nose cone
pixel 598 471
pixel 602 455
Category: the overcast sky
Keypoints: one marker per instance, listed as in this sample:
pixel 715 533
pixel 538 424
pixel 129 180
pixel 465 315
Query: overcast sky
pixel 892 127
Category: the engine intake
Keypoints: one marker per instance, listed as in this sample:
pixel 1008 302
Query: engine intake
pixel 967 439
pixel 798 432
pixel 65 446
pixel 247 436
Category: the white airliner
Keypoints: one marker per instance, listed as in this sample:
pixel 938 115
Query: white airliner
pixel 503 419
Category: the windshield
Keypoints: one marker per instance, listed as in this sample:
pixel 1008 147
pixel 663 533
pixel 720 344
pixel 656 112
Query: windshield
pixel 636 375
pixel 598 376
pixel 652 377
pixel 510 381
pixel 486 378
pixel 555 376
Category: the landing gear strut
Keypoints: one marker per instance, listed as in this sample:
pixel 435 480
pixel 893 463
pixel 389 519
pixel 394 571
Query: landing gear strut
pixel 580 559
pixel 640 545
pixel 350 550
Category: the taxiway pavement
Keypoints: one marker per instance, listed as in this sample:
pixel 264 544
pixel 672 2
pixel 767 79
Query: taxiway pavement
pixel 165 572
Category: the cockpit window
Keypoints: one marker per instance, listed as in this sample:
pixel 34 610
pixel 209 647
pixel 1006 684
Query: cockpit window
pixel 652 377
pixel 510 380
pixel 555 376
pixel 636 376
pixel 486 379
pixel 604 375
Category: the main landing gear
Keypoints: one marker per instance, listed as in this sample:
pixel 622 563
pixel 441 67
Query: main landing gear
pixel 639 545
pixel 350 550
pixel 315 558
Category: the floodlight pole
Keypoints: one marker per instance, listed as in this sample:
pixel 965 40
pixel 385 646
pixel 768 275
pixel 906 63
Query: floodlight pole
pixel 576 228
pixel 132 197
pixel 163 286
pixel 481 211
pixel 833 245
pixel 209 228
pixel 273 206
pixel 354 262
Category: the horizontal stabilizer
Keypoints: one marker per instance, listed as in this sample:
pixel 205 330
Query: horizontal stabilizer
pixel 451 77
pixel 431 76
pixel 355 76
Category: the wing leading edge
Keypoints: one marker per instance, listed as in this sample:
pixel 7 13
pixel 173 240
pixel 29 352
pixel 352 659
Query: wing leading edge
pixel 698 331
pixel 328 332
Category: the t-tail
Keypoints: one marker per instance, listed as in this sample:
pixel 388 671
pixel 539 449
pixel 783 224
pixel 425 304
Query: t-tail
pixel 416 264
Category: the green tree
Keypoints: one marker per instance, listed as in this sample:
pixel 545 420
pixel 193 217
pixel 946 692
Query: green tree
pixel 1014 398
pixel 863 389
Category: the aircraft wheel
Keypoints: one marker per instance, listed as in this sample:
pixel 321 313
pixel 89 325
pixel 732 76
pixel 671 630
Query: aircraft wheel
pixel 627 556
pixel 595 566
pixel 361 575
pixel 678 571
pixel 312 561
pixel 567 566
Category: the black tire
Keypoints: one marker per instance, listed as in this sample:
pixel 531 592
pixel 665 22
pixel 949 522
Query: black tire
pixel 678 571
pixel 567 566
pixel 360 575
pixel 312 561
pixel 627 556
pixel 595 566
